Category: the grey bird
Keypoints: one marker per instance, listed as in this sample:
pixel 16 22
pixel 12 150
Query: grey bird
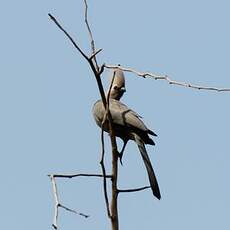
pixel 127 125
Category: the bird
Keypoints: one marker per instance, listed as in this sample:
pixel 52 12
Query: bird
pixel 127 125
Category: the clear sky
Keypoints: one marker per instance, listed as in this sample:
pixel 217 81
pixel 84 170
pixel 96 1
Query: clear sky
pixel 46 126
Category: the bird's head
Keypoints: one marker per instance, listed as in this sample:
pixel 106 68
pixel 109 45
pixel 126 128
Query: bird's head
pixel 118 86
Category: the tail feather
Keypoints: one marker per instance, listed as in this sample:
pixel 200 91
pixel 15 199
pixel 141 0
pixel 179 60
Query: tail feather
pixel 152 133
pixel 149 168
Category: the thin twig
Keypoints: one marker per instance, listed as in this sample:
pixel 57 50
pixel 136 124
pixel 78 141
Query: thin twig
pixel 134 189
pixel 166 78
pixel 93 50
pixel 103 149
pixel 94 54
pixel 104 172
pixel 68 35
pixel 114 211
pixel 79 175
pixel 58 205
pixel 73 211
pixel 97 71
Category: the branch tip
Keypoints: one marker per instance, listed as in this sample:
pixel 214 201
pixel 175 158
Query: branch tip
pixel 54 226
pixel 133 189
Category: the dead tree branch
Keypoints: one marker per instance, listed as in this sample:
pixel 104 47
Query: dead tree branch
pixel 73 211
pixel 133 189
pixel 79 175
pixel 68 35
pixel 166 78
pixel 88 59
pixel 103 149
pixel 104 172
pixel 95 53
pixel 58 205
pixel 93 50
pixel 97 73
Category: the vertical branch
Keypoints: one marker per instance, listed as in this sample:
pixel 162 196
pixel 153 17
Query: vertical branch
pixel 56 202
pixel 93 50
pixel 105 118
pixel 104 171
pixel 97 73
pixel 114 210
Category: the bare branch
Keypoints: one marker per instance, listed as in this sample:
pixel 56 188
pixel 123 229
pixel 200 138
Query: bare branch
pixel 103 148
pixel 88 27
pixel 104 172
pixel 166 78
pixel 79 175
pixel 67 34
pixel 73 211
pixel 56 202
pixel 114 210
pixel 96 70
pixel 97 73
pixel 108 95
pixel 134 189
pixel 90 35
pixel 94 54
pixel 58 205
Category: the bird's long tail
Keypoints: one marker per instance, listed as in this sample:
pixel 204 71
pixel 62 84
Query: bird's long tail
pixel 149 168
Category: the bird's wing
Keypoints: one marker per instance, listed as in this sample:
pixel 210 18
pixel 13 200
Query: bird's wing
pixel 122 115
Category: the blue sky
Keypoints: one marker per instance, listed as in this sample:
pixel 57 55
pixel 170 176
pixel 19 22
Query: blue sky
pixel 47 92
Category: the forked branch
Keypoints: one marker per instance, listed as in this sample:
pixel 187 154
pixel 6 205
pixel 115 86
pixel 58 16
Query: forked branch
pixel 58 205
pixel 97 73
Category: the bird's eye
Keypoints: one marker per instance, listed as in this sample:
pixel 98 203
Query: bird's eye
pixel 115 87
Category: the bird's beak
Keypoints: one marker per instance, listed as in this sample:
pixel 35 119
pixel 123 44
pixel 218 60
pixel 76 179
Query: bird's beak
pixel 123 89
